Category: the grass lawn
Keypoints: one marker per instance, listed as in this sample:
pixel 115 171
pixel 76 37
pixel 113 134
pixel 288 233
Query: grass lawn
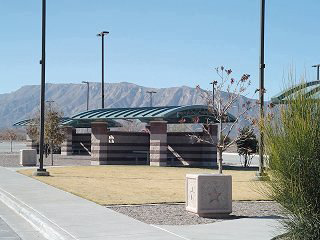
pixel 108 185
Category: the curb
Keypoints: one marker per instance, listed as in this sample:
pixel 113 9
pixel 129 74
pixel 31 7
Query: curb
pixel 38 221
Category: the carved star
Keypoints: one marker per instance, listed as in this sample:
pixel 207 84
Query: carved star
pixel 214 195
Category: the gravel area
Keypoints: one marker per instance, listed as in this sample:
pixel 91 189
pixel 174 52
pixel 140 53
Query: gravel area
pixel 175 214
pixel 13 159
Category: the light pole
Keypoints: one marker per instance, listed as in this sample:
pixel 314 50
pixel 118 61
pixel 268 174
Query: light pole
pixel 213 84
pixel 102 34
pixel 50 104
pixel 317 66
pixel 41 171
pixel 87 93
pixel 260 174
pixel 151 92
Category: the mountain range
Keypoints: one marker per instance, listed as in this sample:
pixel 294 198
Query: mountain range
pixel 72 98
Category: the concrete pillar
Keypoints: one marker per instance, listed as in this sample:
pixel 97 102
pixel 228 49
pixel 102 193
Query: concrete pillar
pixel 66 146
pixel 158 143
pixel 99 139
pixel 31 144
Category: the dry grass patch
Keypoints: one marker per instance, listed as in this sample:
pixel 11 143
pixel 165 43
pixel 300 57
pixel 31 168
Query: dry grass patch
pixel 107 185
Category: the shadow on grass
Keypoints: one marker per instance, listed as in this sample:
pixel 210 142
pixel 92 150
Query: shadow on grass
pixel 226 167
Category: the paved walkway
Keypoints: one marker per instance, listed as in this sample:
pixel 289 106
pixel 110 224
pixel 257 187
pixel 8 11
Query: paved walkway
pixel 6 232
pixel 240 229
pixel 14 227
pixel 59 215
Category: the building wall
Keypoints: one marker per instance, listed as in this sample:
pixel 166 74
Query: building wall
pixel 128 148
pixel 78 141
pixel 133 148
pixel 183 151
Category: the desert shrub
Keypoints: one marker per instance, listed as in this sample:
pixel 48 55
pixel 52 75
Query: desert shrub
pixel 293 145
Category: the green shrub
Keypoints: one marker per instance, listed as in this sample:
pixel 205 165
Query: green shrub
pixel 292 141
pixel 247 144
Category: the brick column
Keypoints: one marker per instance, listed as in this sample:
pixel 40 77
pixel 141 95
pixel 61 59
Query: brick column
pixel 158 143
pixel 31 144
pixel 99 138
pixel 66 146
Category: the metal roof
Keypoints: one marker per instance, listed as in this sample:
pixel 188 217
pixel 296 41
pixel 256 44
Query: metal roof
pixel 28 122
pixel 68 122
pixel 172 114
pixel 309 89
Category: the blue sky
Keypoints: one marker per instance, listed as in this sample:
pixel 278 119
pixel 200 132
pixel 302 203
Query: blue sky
pixel 157 43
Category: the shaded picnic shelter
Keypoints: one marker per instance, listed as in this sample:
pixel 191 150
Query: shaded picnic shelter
pixel 155 146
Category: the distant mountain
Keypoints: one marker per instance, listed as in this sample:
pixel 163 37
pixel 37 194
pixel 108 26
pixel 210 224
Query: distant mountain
pixel 71 99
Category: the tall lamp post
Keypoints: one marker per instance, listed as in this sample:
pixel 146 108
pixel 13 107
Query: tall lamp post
pixel 317 66
pixel 151 92
pixel 41 171
pixel 260 174
pixel 102 34
pixel 87 93
pixel 213 84
pixel 50 104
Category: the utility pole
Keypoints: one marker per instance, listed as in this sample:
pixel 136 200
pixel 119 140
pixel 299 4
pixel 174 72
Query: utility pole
pixel 317 66
pixel 102 34
pixel 260 174
pixel 87 93
pixel 41 171
pixel 151 92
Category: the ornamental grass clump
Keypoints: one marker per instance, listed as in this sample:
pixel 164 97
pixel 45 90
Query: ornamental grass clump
pixel 292 139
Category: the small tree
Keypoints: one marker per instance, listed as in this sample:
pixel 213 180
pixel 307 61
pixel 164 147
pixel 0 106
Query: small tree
pixel 228 92
pixel 53 132
pixel 247 144
pixel 10 135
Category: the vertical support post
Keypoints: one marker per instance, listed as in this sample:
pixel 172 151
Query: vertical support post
pixel 99 139
pixel 261 88
pixel 31 144
pixel 102 72
pixel 66 146
pixel 158 143
pixel 41 171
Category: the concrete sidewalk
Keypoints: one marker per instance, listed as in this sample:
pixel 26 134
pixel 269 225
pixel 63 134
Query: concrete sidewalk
pixel 240 229
pixel 59 215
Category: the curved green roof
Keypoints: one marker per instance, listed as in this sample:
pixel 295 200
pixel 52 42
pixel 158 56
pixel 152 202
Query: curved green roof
pixel 172 114
pixel 68 122
pixel 309 89
pixel 28 122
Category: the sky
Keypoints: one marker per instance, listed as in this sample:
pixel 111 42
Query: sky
pixel 158 43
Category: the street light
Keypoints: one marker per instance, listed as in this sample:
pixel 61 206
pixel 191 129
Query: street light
pixel 41 171
pixel 102 34
pixel 260 174
pixel 213 84
pixel 151 92
pixel 87 93
pixel 50 104
pixel 317 66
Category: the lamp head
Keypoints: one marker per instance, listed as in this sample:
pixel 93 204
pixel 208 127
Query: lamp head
pixel 102 33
